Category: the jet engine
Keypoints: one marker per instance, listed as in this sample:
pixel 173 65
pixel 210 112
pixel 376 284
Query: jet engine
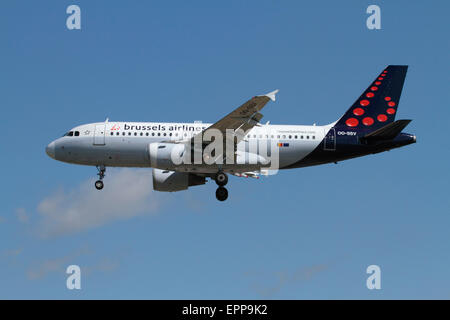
pixel 171 181
pixel 166 155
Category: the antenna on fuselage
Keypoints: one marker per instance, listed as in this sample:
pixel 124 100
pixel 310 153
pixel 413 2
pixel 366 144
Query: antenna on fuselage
pixel 107 120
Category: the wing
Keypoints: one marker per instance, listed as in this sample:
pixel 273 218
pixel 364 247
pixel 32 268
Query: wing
pixel 244 117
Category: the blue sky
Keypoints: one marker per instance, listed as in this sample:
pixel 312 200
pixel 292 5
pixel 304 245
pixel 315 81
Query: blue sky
pixel 303 234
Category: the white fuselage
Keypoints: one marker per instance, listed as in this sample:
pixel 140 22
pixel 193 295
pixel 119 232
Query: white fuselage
pixel 126 144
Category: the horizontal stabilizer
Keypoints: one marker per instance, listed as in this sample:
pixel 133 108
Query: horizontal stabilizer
pixel 388 132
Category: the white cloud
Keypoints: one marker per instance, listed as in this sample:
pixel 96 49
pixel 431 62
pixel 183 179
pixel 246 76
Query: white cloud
pixel 45 268
pixel 58 265
pixel 104 265
pixel 13 252
pixel 283 278
pixel 127 193
pixel 22 215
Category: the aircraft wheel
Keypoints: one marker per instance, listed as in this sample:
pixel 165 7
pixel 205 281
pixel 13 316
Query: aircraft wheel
pixel 99 185
pixel 221 179
pixel 221 194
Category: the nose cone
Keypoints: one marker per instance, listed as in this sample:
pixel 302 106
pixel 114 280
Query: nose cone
pixel 50 150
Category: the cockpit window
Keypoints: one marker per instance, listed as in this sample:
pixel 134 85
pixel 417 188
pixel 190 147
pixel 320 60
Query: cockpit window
pixel 71 134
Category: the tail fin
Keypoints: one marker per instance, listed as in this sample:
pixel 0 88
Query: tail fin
pixel 378 104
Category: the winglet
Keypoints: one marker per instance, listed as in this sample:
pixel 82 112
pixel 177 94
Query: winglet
pixel 271 95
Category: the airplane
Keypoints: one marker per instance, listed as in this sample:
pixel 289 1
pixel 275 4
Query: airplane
pixel 367 127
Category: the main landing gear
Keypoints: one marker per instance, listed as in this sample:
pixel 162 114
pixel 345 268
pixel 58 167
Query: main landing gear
pixel 221 180
pixel 101 174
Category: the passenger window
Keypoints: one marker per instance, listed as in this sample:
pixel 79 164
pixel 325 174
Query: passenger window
pixel 313 137
pixel 301 137
pixel 290 137
pixel 164 134
pixel 146 134
pixel 112 133
pixel 142 134
pixel 123 133
pixel 153 134
pixel 307 137
pixel 271 136
pixel 159 133
pixel 117 133
pixel 284 136
pixel 129 133
pixel 296 137
pixel 135 133
pixel 278 136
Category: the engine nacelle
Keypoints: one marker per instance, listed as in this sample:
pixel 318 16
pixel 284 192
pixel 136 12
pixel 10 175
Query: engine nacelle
pixel 171 181
pixel 166 155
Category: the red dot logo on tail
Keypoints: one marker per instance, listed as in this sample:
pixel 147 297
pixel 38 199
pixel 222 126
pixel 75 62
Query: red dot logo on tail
pixel 367 121
pixel 358 111
pixel 364 103
pixel 390 111
pixel 352 122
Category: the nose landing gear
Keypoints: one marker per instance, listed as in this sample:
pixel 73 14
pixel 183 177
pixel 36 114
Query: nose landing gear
pixel 101 174
pixel 221 180
pixel 99 184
